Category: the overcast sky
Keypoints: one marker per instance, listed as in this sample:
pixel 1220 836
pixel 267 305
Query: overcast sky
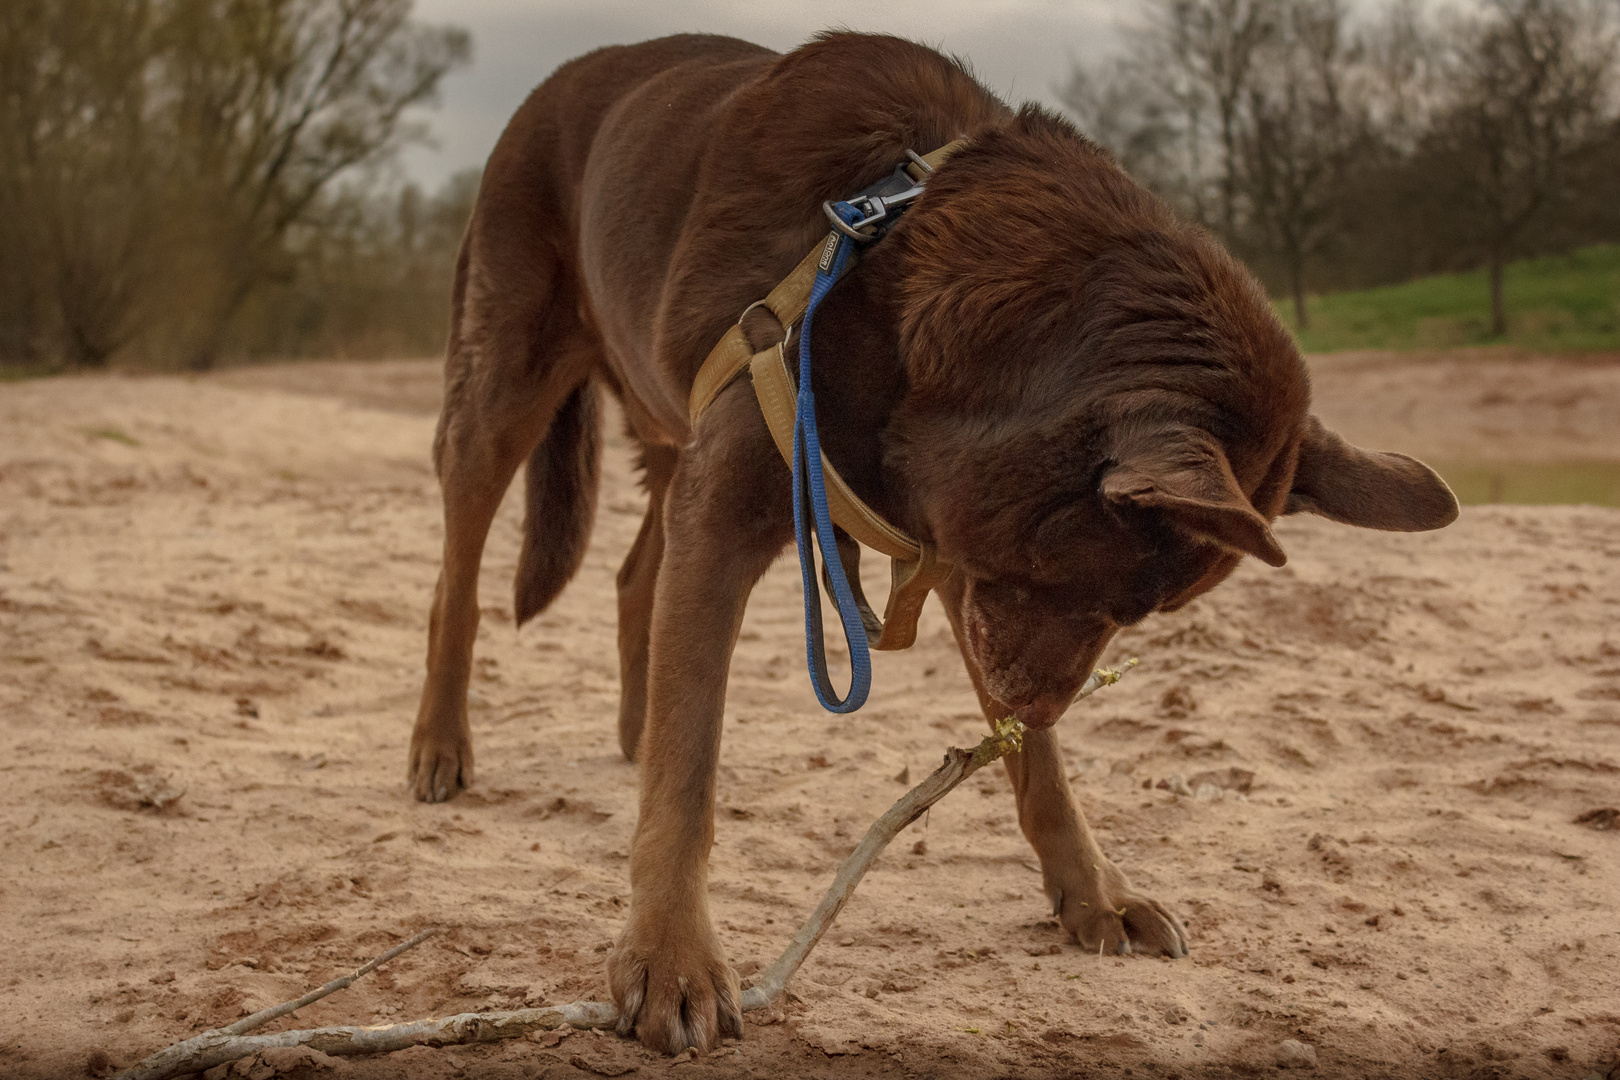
pixel 1019 48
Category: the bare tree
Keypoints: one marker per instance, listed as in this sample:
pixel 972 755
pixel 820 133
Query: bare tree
pixel 75 166
pixel 1215 43
pixel 372 275
pixel 1531 84
pixel 155 156
pixel 1122 107
pixel 1171 107
pixel 1297 134
pixel 274 99
pixel 1402 80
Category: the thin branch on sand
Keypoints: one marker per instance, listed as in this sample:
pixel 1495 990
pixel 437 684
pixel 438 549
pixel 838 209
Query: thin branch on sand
pixel 216 1048
pixel 264 1016
pixel 189 1056
pixel 229 1044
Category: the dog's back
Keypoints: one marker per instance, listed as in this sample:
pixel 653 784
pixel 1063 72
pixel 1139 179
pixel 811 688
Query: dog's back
pixel 607 157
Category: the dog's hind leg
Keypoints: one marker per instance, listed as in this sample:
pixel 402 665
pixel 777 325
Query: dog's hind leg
pixel 637 577
pixel 1091 896
pixel 519 356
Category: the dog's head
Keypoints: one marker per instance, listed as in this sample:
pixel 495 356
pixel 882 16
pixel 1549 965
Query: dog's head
pixel 1102 415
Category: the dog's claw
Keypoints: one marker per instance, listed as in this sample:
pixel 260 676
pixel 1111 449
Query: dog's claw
pixel 439 769
pixel 675 991
pixel 1116 919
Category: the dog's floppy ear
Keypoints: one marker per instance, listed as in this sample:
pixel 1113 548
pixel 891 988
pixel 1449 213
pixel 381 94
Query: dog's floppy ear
pixel 1360 487
pixel 1186 477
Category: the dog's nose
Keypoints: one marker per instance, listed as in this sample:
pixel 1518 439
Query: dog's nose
pixel 1042 711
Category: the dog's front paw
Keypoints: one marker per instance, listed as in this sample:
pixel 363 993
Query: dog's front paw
pixel 673 986
pixel 441 766
pixel 1107 916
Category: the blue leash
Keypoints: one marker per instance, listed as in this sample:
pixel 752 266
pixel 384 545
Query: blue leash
pixel 810 511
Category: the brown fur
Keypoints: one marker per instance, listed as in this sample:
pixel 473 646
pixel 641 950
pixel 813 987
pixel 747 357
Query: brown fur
pixel 1085 404
pixel 560 494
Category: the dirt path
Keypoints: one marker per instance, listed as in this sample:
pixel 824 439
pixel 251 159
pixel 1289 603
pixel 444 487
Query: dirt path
pixel 216 590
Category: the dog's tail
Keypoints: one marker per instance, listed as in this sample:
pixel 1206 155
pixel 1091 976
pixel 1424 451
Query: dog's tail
pixel 560 486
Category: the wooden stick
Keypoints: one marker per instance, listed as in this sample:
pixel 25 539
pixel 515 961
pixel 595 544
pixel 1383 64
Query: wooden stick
pixel 217 1047
pixel 958 766
pixel 179 1058
pixel 264 1016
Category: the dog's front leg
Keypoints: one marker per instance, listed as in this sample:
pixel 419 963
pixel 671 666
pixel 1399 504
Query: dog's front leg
pixel 1091 896
pixel 727 515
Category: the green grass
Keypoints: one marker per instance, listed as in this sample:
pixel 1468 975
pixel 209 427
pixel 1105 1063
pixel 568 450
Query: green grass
pixel 23 372
pixel 111 434
pixel 1563 303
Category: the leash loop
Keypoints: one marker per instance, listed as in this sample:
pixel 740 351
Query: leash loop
pixel 812 520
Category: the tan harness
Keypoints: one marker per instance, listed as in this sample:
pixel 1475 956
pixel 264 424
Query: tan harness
pixel 914 569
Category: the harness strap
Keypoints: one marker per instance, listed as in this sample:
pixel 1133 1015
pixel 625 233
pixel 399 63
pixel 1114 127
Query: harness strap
pixel 821 493
pixel 914 570
pixel 732 353
pixel 778 398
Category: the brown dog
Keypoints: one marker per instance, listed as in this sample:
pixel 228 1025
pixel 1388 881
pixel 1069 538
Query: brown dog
pixel 1086 405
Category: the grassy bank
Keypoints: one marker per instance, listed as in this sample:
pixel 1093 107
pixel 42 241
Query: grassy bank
pixel 1563 303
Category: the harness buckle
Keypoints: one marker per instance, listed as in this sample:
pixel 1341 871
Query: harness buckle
pixel 874 210
pixel 878 204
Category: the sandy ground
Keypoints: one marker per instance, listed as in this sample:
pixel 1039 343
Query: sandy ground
pixel 212 606
pixel 1479 405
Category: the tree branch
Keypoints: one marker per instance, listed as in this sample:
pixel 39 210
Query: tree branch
pixel 264 1016
pixel 201 1052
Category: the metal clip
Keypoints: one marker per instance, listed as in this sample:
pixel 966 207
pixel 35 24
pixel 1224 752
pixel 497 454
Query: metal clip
pixel 874 209
pixel 787 328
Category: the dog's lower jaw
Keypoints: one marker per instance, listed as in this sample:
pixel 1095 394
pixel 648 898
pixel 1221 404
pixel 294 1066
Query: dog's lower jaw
pixel 670 979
